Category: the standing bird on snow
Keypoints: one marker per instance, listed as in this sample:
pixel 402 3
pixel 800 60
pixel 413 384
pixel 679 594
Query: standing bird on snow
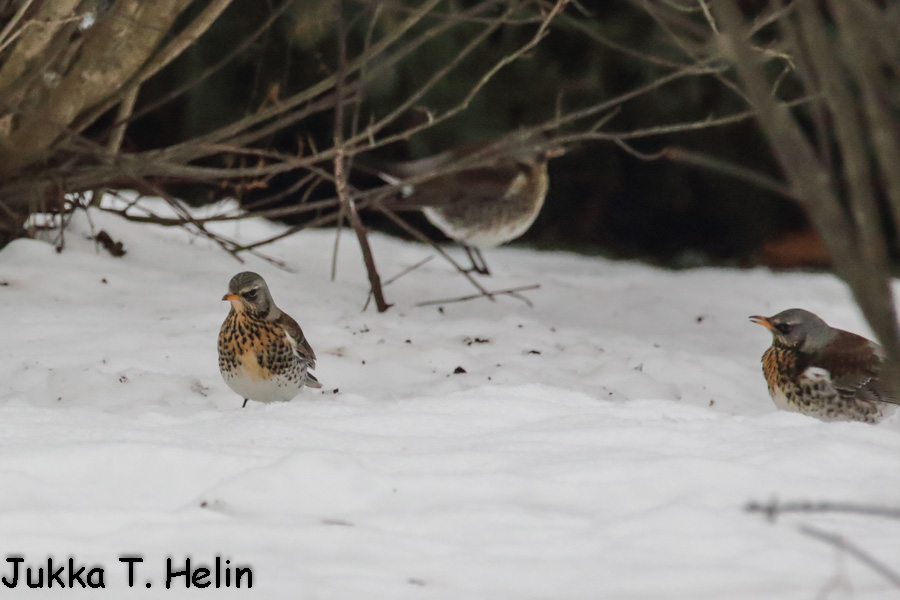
pixel 263 354
pixel 823 372
pixel 483 206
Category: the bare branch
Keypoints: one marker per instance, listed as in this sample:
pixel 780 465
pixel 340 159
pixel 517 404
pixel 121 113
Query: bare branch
pixel 853 550
pixel 814 185
pixel 348 206
pixel 774 508
pixel 858 48
pixel 512 292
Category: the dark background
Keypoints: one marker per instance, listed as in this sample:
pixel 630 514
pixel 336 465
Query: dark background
pixel 601 199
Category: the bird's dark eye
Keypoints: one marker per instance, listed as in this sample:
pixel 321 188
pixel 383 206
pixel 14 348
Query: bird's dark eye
pixel 784 327
pixel 251 294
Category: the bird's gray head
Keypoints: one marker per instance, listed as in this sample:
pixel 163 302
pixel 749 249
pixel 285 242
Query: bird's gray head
pixel 798 328
pixel 248 291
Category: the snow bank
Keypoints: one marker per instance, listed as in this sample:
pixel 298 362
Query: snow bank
pixel 601 444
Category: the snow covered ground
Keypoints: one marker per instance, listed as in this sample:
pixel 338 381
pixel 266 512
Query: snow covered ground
pixel 602 444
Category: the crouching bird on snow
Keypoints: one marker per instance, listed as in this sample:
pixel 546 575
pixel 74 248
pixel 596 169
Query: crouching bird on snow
pixel 823 372
pixel 482 206
pixel 263 354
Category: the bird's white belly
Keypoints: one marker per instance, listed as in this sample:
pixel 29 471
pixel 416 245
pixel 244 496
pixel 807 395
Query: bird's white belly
pixel 279 388
pixel 482 236
pixel 781 401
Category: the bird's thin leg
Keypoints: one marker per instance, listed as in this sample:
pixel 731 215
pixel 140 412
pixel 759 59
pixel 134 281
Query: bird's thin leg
pixel 477 260
pixel 483 270
pixel 244 405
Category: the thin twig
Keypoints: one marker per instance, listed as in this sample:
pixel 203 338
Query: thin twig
pixel 408 270
pixel 118 134
pixel 708 16
pixel 354 127
pixel 393 216
pixel 229 245
pixel 338 228
pixel 190 150
pixel 774 509
pixel 585 28
pixel 310 181
pixel 403 272
pixel 5 38
pixel 853 550
pixel 513 292
pixel 712 163
pixel 348 206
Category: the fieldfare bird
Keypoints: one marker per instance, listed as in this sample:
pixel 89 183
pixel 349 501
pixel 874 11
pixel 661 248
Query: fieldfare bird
pixel 263 354
pixel 481 196
pixel 823 372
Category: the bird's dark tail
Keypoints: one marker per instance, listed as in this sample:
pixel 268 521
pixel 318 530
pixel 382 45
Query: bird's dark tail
pixel 311 381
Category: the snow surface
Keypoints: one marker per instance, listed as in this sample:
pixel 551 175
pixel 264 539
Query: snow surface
pixel 602 444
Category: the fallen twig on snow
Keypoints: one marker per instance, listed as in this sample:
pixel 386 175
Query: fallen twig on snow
pixel 774 508
pixel 513 292
pixel 853 550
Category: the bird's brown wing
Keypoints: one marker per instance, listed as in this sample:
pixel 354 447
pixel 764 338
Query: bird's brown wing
pixel 471 186
pixel 854 364
pixel 302 348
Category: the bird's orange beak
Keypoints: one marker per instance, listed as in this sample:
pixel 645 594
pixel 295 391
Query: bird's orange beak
pixel 230 297
pixel 764 321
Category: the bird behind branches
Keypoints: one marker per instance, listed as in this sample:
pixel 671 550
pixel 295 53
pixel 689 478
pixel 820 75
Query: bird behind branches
pixel 481 195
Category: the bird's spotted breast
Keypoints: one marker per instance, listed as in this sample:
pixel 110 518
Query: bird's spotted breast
pixel 255 347
pixel 779 368
pixel 781 371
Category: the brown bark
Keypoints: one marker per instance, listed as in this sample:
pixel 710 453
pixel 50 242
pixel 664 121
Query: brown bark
pixel 36 33
pixel 115 48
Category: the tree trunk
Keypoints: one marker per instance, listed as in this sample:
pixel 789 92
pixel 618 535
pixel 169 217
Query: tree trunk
pixel 114 49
